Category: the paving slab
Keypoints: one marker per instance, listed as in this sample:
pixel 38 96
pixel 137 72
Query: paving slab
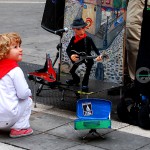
pixel 121 141
pixel 44 122
pixel 54 129
pixel 52 124
pixel 44 142
pixel 136 131
pixel 145 147
pixel 67 131
pixel 8 147
pixel 85 147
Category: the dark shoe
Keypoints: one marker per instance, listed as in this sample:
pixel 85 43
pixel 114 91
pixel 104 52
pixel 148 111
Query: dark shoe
pixel 72 82
pixel 85 88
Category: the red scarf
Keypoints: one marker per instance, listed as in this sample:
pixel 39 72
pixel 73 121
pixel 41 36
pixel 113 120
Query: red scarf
pixel 6 65
pixel 77 38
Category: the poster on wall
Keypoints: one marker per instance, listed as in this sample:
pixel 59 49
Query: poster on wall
pixel 106 22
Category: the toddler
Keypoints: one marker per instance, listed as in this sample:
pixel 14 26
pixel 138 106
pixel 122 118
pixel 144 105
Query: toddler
pixel 15 95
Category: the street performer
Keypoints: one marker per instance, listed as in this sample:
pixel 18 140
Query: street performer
pixel 81 43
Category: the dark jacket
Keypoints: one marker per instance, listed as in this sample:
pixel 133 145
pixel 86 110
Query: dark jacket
pixel 84 45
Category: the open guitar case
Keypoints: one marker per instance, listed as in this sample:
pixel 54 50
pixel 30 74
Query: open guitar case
pixel 134 107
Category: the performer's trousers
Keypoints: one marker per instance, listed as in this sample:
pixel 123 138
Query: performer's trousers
pixel 88 63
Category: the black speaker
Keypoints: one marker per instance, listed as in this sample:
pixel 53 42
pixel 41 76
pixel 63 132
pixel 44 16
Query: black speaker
pixel 53 16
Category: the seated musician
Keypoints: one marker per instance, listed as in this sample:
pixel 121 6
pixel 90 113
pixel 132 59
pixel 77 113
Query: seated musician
pixel 81 43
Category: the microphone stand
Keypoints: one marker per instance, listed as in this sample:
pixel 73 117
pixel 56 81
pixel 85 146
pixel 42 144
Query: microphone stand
pixel 59 47
pixel 60 57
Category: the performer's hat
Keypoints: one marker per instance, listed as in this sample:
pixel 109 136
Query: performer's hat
pixel 78 23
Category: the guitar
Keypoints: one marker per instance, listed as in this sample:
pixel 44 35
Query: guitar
pixel 83 55
pixel 44 77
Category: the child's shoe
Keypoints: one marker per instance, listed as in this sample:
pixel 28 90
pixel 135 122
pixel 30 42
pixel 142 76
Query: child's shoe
pixel 14 133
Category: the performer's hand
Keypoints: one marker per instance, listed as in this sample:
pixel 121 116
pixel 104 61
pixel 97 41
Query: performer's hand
pixel 99 58
pixel 74 57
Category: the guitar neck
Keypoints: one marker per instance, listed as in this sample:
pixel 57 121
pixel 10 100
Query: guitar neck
pixel 90 57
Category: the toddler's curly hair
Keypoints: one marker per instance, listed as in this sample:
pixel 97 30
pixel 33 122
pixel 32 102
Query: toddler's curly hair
pixel 6 39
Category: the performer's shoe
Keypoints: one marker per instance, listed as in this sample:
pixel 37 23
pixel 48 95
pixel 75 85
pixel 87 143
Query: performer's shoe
pixel 14 133
pixel 72 82
pixel 85 88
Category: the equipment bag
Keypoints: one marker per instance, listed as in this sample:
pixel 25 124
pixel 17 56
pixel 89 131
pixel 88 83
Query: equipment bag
pixel 142 81
pixel 134 109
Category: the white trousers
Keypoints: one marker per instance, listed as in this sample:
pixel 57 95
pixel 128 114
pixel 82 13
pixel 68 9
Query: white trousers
pixel 21 120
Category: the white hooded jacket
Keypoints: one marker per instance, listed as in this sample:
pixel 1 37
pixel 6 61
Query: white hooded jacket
pixel 13 88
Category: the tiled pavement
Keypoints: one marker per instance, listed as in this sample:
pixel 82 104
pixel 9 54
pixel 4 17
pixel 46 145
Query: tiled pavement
pixel 53 122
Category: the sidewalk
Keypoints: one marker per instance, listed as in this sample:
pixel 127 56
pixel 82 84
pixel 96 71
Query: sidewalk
pixel 54 130
pixel 53 120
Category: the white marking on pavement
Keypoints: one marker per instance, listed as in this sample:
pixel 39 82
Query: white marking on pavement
pixel 54 111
